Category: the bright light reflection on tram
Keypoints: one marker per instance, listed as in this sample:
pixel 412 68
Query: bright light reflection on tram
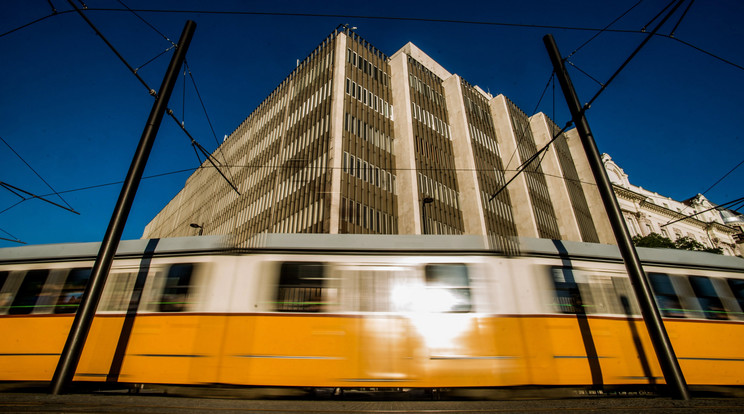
pixel 430 314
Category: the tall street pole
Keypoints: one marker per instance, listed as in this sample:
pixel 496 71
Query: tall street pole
pixel 70 356
pixel 659 338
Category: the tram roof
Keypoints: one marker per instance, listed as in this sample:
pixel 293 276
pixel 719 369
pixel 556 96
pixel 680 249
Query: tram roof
pixel 354 243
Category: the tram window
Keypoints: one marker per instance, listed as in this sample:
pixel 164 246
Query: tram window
pixel 708 298
pixel 625 296
pixel 666 297
pixel 301 286
pixel 567 291
pixel 448 288
pixel 176 290
pixel 4 296
pixel 117 292
pixel 72 291
pixel 28 292
pixel 737 287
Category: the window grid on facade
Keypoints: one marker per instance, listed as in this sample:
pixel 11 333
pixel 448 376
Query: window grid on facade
pixel 499 220
pixel 537 187
pixel 368 164
pixel 576 195
pixel 435 162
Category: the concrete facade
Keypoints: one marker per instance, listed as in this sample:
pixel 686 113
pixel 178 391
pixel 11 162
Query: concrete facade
pixel 354 141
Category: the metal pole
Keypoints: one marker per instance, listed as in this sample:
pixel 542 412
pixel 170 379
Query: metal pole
pixel 70 357
pixel 652 318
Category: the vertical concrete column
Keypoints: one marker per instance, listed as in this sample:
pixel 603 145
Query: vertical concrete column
pixel 467 179
pixel 568 226
pixel 589 185
pixel 409 207
pixel 518 194
pixel 336 131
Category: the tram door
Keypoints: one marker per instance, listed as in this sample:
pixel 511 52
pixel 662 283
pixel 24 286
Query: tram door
pixel 386 343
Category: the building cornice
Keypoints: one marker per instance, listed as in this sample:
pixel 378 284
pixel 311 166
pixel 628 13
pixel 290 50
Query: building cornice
pixel 628 194
pixel 644 202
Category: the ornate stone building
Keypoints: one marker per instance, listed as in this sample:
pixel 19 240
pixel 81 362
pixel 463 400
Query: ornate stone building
pixel 648 212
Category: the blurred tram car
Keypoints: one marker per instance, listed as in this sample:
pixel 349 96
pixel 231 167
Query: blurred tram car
pixel 352 311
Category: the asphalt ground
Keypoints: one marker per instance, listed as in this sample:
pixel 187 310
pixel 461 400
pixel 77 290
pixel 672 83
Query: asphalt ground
pixel 36 402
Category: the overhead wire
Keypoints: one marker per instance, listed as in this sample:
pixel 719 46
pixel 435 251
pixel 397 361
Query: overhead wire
pixel 38 175
pixel 552 81
pixel 196 146
pixel 54 9
pixel 15 190
pixel 522 134
pixel 274 167
pixel 585 73
pixel 91 187
pixel 643 29
pixel 206 115
pixel 14 238
pixel 604 29
pixel 148 23
pixel 717 207
pixel 152 92
pixel 528 161
pixel 505 24
pixel 724 176
pixel 153 59
pixel 674 29
pixel 635 52
pixel 403 18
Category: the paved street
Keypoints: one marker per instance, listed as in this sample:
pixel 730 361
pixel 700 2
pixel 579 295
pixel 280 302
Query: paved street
pixel 33 402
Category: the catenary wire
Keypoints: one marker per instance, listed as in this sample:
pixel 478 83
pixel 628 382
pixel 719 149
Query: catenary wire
pixel 54 9
pixel 523 25
pixel 197 148
pixel 634 53
pixel 544 149
pixel 195 145
pixel 585 73
pixel 15 190
pixel 276 167
pixel 724 176
pixel 151 91
pixel 434 19
pixel 671 34
pixel 153 59
pixel 148 24
pixel 717 207
pixel 643 29
pixel 38 175
pixel 534 111
pixel 14 238
pixel 206 115
pixel 527 162
pixel 604 29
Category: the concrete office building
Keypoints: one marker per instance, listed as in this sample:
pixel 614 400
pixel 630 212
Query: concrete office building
pixel 355 141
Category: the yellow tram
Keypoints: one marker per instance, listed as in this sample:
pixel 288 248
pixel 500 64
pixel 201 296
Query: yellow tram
pixel 353 311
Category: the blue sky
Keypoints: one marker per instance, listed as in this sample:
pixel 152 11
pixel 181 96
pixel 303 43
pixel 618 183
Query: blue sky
pixel 71 109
